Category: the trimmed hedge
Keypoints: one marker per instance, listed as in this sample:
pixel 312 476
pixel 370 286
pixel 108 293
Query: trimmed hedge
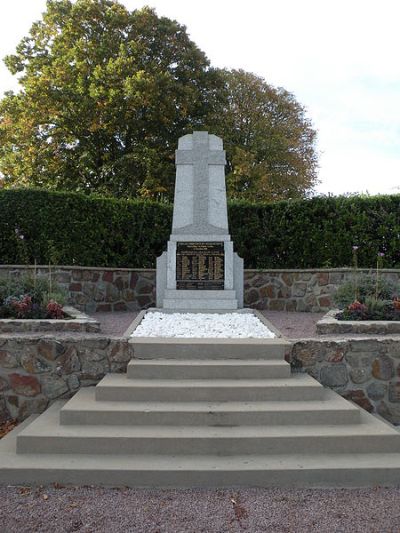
pixel 71 228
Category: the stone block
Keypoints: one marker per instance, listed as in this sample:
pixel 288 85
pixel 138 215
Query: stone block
pixel 50 349
pixel 334 375
pixel 94 370
pixel 335 353
pixel 69 362
pixel 267 291
pixel 335 278
pixel 133 280
pixel 73 382
pixel 304 355
pixel 144 287
pixel 53 386
pixel 323 278
pixel 287 279
pixel 20 408
pixel 4 385
pixel 119 283
pixel 360 375
pixel 251 296
pixel 35 364
pixel 359 397
pixel 90 275
pixel 299 289
pixel 121 352
pixel 383 368
pixel 8 360
pixel 394 392
pixel 62 277
pixel 112 294
pixel 98 294
pixel 376 390
pixel 75 287
pixel 24 384
pixel 260 280
pixel 128 295
pixel 108 276
pixel 324 302
pixel 81 299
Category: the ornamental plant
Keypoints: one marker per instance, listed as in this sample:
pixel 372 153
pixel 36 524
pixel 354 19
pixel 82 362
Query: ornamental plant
pixel 33 296
pixel 368 297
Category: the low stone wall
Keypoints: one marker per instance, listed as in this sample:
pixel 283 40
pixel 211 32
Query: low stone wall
pixel 120 289
pixel 35 370
pixel 76 322
pixel 330 325
pixel 100 289
pixel 365 370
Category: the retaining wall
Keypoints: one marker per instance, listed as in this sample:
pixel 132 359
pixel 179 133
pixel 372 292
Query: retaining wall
pixel 35 370
pixel 363 369
pixel 119 289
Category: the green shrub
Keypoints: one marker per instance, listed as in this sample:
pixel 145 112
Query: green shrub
pixel 367 289
pixel 30 296
pixel 40 288
pixel 71 228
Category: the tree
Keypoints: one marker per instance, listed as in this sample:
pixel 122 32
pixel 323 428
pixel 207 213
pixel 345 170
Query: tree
pixel 269 140
pixel 105 95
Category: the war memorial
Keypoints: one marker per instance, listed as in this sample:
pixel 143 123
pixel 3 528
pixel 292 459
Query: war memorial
pixel 200 404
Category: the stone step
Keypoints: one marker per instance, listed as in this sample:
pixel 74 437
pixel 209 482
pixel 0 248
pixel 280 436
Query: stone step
pixel 299 387
pixel 206 304
pixel 225 294
pixel 46 435
pixel 188 349
pixel 83 409
pixel 207 369
pixel 148 471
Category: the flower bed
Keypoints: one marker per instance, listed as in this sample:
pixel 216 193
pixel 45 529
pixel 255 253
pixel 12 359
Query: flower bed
pixel 331 325
pixel 72 321
pixel 35 303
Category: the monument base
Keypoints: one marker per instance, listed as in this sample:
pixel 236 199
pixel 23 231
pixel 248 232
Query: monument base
pixel 200 300
pixel 169 296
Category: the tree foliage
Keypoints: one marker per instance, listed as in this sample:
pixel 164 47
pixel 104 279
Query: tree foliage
pixel 106 93
pixel 269 140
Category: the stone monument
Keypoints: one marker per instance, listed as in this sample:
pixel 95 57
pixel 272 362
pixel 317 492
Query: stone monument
pixel 200 271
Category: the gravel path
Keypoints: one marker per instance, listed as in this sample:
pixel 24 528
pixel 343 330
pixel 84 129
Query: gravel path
pixel 55 510
pixel 293 325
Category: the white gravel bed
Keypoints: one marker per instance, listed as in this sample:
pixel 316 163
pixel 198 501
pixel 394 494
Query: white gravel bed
pixel 202 325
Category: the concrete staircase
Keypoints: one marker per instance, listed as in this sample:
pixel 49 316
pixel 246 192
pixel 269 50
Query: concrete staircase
pixel 195 419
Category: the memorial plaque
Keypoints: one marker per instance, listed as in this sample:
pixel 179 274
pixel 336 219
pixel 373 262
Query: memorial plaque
pixel 200 265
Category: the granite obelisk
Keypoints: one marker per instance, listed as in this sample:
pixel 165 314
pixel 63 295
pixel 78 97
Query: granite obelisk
pixel 200 271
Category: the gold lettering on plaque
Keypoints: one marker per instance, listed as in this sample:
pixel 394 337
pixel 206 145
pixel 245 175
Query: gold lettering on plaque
pixel 200 265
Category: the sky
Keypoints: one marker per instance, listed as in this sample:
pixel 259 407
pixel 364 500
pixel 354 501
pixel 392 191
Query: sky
pixel 340 58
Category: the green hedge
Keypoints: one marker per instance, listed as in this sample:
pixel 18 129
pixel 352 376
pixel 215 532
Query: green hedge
pixel 70 228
